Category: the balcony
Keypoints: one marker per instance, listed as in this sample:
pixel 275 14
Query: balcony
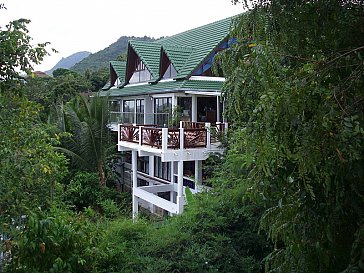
pixel 137 118
pixel 192 141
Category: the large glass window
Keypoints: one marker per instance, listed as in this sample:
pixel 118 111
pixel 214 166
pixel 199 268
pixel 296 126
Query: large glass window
pixel 114 106
pixel 162 169
pixel 129 110
pixel 143 164
pixel 141 73
pixel 162 110
pixel 114 111
pixel 140 111
pixel 185 106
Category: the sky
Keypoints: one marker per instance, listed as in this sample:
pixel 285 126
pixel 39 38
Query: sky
pixel 86 25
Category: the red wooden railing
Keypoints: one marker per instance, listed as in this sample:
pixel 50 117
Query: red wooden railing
pixel 128 133
pixel 195 135
pixel 151 137
pixel 194 138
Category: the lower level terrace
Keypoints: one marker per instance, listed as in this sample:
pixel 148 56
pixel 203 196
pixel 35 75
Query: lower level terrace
pixel 191 141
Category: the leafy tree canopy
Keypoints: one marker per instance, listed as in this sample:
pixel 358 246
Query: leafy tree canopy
pixel 294 93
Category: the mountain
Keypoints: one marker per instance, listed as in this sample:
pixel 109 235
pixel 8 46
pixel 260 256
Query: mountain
pixel 69 61
pixel 102 58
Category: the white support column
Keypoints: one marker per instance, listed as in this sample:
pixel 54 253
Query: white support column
pixel 171 193
pixel 181 138
pixel 198 172
pixel 208 128
pixel 174 101
pixel 180 198
pixel 134 161
pixel 164 139
pixel 151 173
pixel 218 118
pixel 194 109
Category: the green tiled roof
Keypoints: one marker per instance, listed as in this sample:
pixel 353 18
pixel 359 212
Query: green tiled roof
pixel 149 53
pixel 186 51
pixel 164 87
pixel 178 55
pixel 203 40
pixel 119 68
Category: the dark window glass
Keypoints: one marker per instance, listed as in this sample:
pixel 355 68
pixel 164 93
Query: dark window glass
pixel 170 72
pixel 141 73
pixel 129 111
pixel 162 169
pixel 143 164
pixel 162 110
pixel 114 106
pixel 139 111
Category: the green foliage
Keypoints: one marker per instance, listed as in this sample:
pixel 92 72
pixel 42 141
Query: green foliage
pixel 61 72
pixel 55 241
pixel 84 191
pixel 294 94
pixel 215 234
pixel 17 54
pixel 97 78
pixel 89 145
pixel 30 169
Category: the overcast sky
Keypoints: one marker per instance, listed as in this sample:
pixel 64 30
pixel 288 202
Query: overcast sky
pixel 87 25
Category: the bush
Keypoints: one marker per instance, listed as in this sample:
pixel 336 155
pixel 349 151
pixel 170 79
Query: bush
pixel 55 241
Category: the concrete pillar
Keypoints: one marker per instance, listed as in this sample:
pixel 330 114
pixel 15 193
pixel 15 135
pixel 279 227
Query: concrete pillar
pixel 218 118
pixel 171 193
pixel 180 197
pixel 194 109
pixel 134 161
pixel 151 173
pixel 198 172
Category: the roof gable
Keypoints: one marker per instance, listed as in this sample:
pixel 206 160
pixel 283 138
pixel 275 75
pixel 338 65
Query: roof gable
pixel 202 41
pixel 149 53
pixel 117 71
pixel 178 55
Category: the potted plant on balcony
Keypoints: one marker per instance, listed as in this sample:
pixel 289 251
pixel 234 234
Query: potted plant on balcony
pixel 175 117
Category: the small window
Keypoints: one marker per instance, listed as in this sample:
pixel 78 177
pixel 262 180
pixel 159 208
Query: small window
pixel 141 73
pixel 170 72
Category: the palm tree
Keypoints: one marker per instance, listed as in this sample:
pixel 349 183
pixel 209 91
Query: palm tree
pixel 86 120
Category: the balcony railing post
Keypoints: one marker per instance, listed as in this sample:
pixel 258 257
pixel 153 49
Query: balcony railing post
pixel 140 135
pixel 181 138
pixel 208 135
pixel 119 132
pixel 164 139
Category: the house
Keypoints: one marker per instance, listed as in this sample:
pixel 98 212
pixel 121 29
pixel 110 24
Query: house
pixel 165 105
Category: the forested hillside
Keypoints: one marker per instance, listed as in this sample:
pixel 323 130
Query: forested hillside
pixel 69 61
pixel 102 58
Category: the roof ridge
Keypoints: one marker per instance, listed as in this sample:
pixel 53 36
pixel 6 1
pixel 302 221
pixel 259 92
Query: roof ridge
pixel 194 29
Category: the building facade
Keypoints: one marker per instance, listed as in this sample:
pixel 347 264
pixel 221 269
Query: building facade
pixel 165 105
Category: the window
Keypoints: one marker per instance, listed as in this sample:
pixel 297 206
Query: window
pixel 133 111
pixel 141 73
pixel 162 169
pixel 129 110
pixel 143 164
pixel 114 106
pixel 170 72
pixel 162 110
pixel 139 111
